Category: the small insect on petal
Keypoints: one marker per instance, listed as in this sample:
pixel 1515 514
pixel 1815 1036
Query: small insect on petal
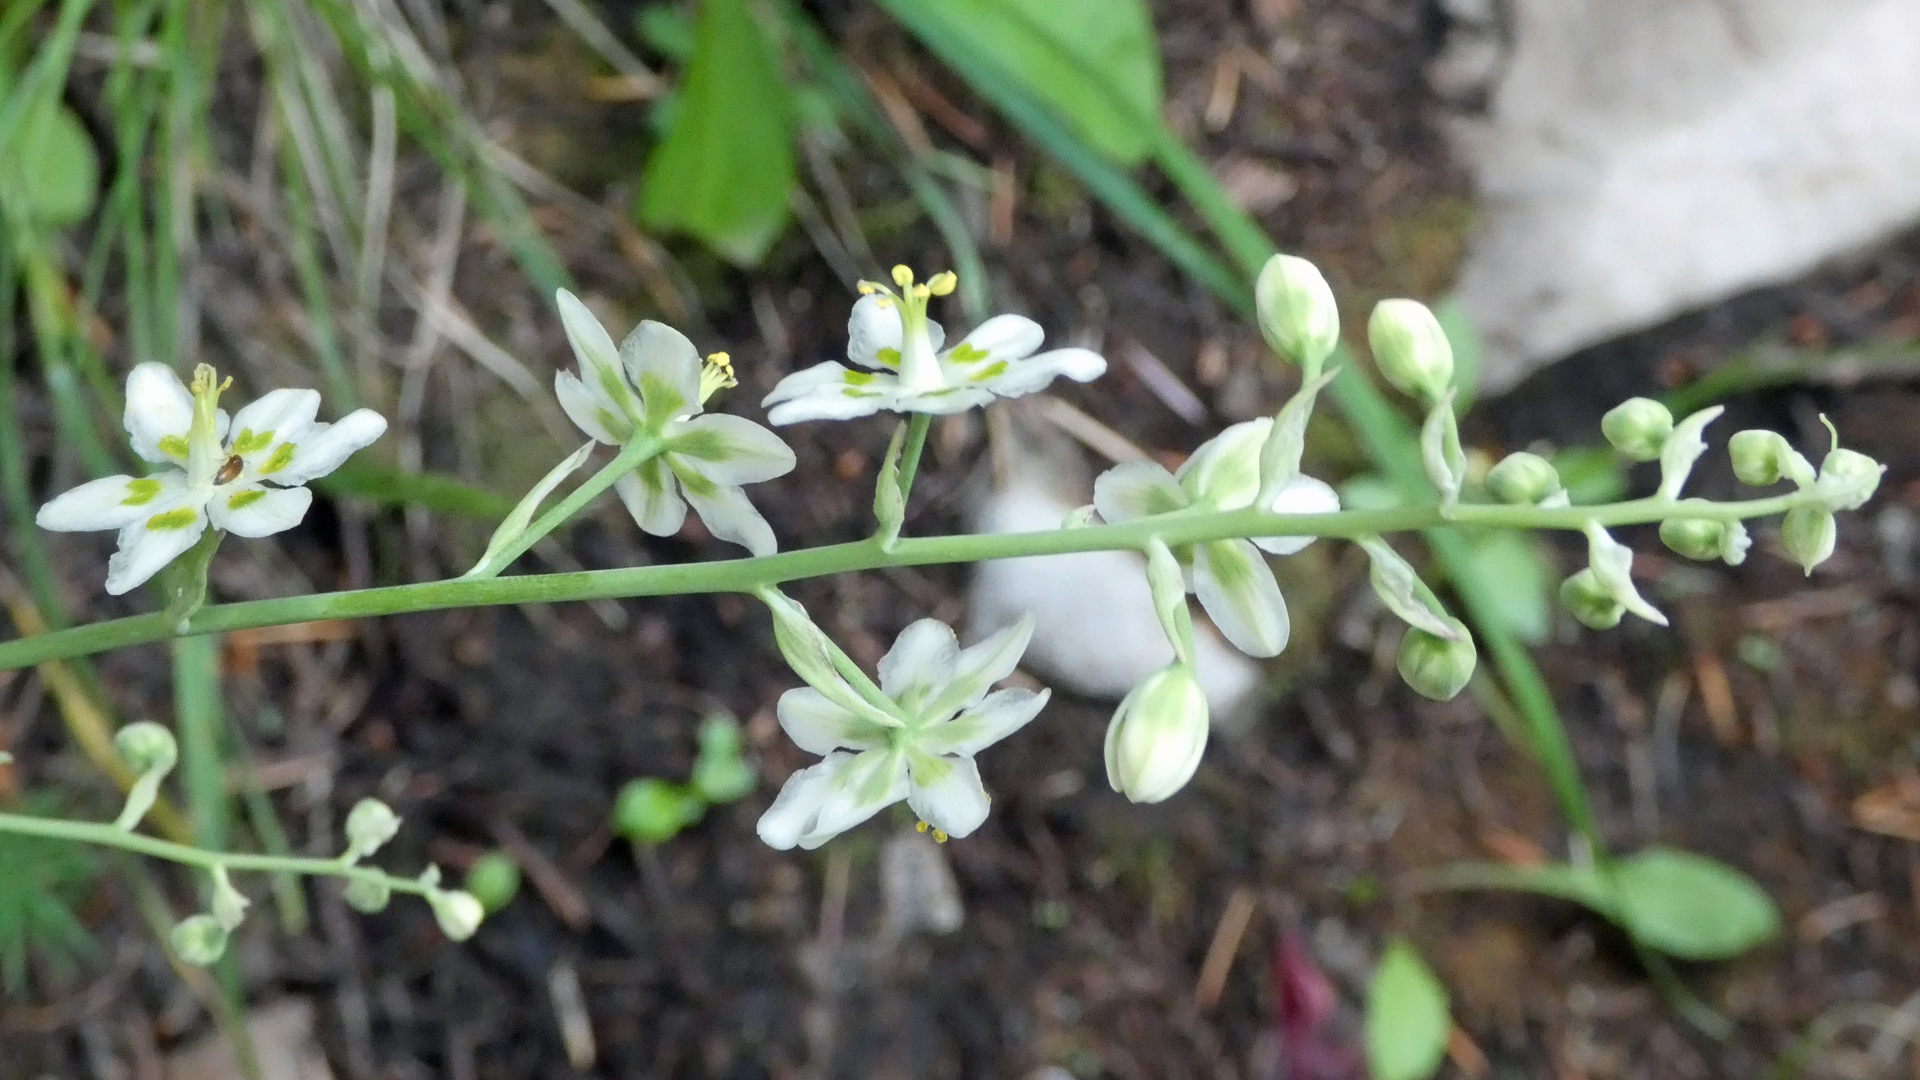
pixel 229 469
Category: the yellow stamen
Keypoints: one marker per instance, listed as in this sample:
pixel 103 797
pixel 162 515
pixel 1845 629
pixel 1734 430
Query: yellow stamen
pixel 902 276
pixel 716 375
pixel 938 836
pixel 920 827
pixel 867 288
pixel 943 283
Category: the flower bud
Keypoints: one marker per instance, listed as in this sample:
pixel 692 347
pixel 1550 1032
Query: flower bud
pixel 1696 538
pixel 1762 457
pixel 1522 479
pixel 1591 601
pixel 458 913
pixel 1411 349
pixel 1638 428
pixel 1848 479
pixel 370 824
pixel 1157 735
pixel 1808 534
pixel 653 811
pixel 494 880
pixel 199 940
pixel 147 747
pixel 1434 666
pixel 1298 315
pixel 368 896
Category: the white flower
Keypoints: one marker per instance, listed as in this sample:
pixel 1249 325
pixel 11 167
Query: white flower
pixel 652 387
pixel 1233 581
pixel 936 692
pixel 890 334
pixel 242 474
pixel 1157 735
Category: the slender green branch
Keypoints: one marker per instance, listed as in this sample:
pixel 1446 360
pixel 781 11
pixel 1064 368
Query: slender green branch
pixel 631 456
pixel 100 834
pixel 744 575
pixel 910 453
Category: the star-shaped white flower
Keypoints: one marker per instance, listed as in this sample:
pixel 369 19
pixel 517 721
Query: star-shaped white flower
pixel 1234 583
pixel 890 335
pixel 653 386
pixel 941 716
pixel 242 473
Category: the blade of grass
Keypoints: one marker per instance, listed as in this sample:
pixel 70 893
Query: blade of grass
pixel 199 720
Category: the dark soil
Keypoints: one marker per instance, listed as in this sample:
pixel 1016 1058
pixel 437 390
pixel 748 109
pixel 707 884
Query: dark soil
pixel 1746 731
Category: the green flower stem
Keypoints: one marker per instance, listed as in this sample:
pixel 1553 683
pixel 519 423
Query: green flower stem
pixel 910 453
pixel 745 575
pixel 633 455
pixel 101 834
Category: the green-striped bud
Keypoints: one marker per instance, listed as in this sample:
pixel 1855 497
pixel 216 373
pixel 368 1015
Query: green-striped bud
pixel 1808 534
pixel 1298 315
pixel 1522 479
pixel 199 940
pixel 1848 479
pixel 1435 667
pixel 1411 349
pixel 1591 601
pixel 458 913
pixel 370 824
pixel 1638 428
pixel 1705 538
pixel 147 747
pixel 1157 735
pixel 368 895
pixel 1762 457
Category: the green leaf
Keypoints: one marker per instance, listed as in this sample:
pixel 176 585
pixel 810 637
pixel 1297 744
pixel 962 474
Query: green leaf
pixel 666 29
pixel 1407 1021
pixel 43 883
pixel 1591 474
pixel 395 487
pixel 60 170
pixel 1072 54
pixel 1469 351
pixel 726 168
pixel 1520 581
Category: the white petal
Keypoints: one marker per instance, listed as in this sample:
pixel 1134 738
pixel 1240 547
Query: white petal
pixel 665 367
pixel 919 664
pixel 144 551
pixel 828 391
pixel 587 410
pixel 875 326
pixel 1003 337
pixel 261 511
pixel 1302 495
pixel 113 503
pixel 729 449
pixel 1236 587
pixel 981 665
pixel 997 716
pixel 947 794
pixel 798 804
pixel 727 513
pixel 599 359
pixel 1026 376
pixel 158 406
pixel 278 416
pixel 1225 470
pixel 650 497
pixel 818 726
pixel 1136 489
pixel 871 782
pixel 946 401
pixel 325 446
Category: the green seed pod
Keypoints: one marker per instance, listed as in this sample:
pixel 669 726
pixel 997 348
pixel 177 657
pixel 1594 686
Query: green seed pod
pixel 1808 534
pixel 368 895
pixel 653 811
pixel 1522 479
pixel 1591 601
pixel 494 880
pixel 1435 667
pixel 1848 479
pixel 370 824
pixel 1638 428
pixel 147 747
pixel 458 913
pixel 1411 349
pixel 1297 312
pixel 1762 457
pixel 198 940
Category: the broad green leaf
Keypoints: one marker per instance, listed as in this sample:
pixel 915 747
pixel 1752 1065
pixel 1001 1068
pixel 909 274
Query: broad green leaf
pixel 1407 1021
pixel 1674 901
pixel 1520 582
pixel 59 176
pixel 1072 54
pixel 726 168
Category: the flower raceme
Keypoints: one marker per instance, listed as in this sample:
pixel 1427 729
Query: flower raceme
pixel 914 740
pixel 242 474
pixel 890 335
pixel 653 387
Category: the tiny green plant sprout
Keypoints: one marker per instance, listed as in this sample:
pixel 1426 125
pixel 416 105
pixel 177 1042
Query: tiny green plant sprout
pixel 911 729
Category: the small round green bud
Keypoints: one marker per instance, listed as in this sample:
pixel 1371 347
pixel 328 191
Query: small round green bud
pixel 1848 479
pixel 1808 534
pixel 1591 601
pixel 199 940
pixel 1435 667
pixel 1411 349
pixel 1297 312
pixel 1696 538
pixel 370 824
pixel 368 895
pixel 721 774
pixel 1522 479
pixel 653 811
pixel 458 913
pixel 494 880
pixel 1762 457
pixel 1157 735
pixel 1638 428
pixel 147 747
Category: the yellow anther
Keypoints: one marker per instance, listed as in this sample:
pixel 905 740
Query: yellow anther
pixel 943 283
pixel 902 276
pixel 867 288
pixel 883 301
pixel 716 375
pixel 938 836
pixel 920 292
pixel 920 827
